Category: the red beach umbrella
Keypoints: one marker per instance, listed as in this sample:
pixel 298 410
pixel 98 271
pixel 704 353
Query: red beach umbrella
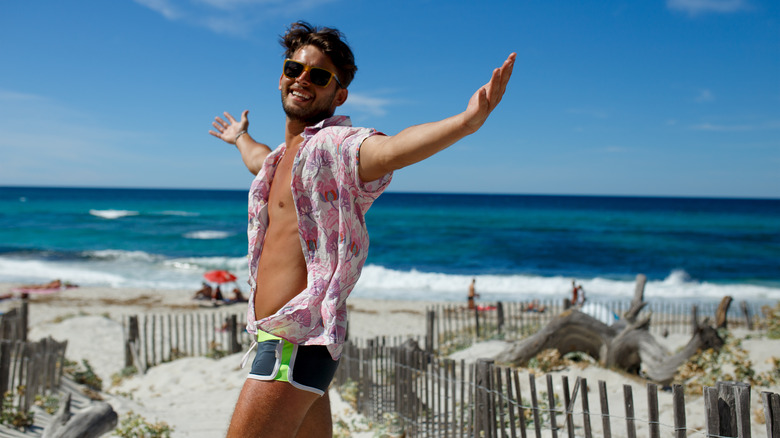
pixel 219 276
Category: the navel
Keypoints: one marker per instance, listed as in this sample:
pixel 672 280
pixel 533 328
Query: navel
pixel 281 204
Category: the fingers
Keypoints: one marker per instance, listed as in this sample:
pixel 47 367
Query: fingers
pixel 499 80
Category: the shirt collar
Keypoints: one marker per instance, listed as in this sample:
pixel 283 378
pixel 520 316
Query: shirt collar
pixel 330 121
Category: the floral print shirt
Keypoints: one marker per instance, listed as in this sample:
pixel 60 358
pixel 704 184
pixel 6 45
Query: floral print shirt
pixel 331 202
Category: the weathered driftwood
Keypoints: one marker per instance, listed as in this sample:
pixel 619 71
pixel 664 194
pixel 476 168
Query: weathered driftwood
pixel 721 315
pixel 92 422
pixel 627 344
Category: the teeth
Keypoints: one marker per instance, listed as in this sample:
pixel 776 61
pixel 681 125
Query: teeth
pixel 300 95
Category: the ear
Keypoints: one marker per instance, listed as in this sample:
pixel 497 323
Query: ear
pixel 281 77
pixel 341 97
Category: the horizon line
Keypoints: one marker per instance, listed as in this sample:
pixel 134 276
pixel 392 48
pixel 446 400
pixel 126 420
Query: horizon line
pixel 582 195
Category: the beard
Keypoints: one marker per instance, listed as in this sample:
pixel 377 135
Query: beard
pixel 311 115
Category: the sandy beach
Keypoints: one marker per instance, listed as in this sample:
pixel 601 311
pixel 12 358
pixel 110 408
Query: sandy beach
pixel 196 395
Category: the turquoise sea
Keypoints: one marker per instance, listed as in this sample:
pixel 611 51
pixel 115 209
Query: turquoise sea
pixel 423 246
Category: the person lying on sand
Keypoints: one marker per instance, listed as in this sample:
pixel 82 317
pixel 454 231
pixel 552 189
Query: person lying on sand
pixel 54 284
pixel 204 293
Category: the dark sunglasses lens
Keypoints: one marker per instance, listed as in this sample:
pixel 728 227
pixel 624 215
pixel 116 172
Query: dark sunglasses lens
pixel 319 76
pixel 293 69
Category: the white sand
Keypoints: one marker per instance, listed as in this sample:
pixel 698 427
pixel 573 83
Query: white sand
pixel 196 395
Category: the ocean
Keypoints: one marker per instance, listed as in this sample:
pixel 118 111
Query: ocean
pixel 423 246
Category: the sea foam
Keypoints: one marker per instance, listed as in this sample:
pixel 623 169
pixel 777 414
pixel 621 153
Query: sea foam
pixel 207 235
pixel 113 214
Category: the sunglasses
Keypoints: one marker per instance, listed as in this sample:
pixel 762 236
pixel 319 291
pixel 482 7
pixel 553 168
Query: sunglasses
pixel 318 76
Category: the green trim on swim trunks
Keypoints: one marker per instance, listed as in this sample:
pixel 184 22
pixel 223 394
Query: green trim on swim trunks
pixel 287 352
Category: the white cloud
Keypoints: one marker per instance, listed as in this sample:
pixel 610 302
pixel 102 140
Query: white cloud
pixel 163 7
pixel 375 106
pixel 696 7
pixel 771 125
pixel 231 17
pixel 705 96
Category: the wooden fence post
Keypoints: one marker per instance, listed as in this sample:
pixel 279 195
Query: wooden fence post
pixel 628 399
pixel 652 410
pixel 585 408
pixel 476 322
pixel 500 316
pixel 132 337
pixel 771 413
pixel 742 404
pixel 722 415
pixel 24 317
pixel 679 411
pixel 430 323
pixel 5 367
pixel 551 405
pixel 745 311
pixel 484 416
pixel 232 328
pixel 605 422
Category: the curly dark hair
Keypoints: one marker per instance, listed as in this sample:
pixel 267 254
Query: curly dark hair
pixel 330 41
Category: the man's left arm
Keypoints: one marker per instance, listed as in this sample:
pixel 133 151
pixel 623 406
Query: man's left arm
pixel 380 155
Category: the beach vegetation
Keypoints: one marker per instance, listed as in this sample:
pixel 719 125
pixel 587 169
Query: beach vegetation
pixel 135 426
pixel 771 321
pixel 117 378
pixel 392 426
pixel 730 363
pixel 85 376
pixel 11 414
pixel 349 392
pixel 344 429
pixel 215 352
pixel 49 403
pixel 552 360
pixel 545 411
pixel 177 354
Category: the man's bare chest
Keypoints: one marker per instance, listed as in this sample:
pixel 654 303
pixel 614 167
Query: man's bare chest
pixel 280 198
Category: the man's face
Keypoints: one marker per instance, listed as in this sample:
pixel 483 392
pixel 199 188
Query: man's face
pixel 305 102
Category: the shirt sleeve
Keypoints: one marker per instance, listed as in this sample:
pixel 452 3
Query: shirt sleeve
pixel 351 155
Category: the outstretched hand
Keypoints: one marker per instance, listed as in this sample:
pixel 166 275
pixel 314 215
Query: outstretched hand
pixel 227 131
pixel 485 100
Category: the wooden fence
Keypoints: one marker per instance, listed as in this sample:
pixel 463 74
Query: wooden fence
pixel 452 327
pixel 151 339
pixel 415 394
pixel 28 369
pixel 156 338
pixel 13 324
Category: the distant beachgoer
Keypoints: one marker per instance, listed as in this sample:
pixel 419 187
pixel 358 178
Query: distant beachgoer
pixel 238 297
pixel 535 306
pixel 580 295
pixel 217 295
pixel 54 284
pixel 472 294
pixel 574 291
pixel 315 189
pixel 204 293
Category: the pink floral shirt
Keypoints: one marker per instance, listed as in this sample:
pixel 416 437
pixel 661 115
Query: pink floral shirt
pixel 331 202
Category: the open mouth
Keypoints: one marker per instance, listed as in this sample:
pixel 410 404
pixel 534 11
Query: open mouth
pixel 300 95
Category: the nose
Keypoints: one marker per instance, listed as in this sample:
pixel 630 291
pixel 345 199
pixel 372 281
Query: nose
pixel 304 77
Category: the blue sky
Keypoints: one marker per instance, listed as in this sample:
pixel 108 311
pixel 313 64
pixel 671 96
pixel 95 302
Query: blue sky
pixel 666 97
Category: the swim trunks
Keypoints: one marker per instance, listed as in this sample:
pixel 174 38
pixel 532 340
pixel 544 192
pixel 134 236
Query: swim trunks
pixel 306 367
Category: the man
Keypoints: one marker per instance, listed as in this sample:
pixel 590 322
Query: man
pixel 472 294
pixel 307 236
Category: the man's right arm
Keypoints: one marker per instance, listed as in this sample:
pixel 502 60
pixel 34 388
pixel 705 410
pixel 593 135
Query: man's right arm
pixel 235 132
